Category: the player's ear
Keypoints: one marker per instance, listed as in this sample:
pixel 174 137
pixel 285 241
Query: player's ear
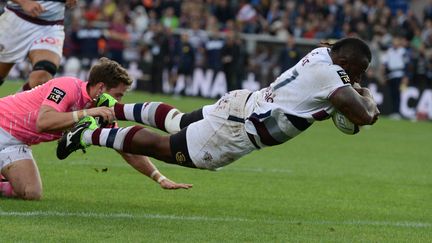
pixel 343 62
pixel 101 88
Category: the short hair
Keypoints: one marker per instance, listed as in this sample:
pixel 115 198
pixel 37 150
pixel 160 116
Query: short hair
pixel 108 72
pixel 352 48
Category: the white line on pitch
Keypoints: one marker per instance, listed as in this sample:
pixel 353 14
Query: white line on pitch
pixel 404 224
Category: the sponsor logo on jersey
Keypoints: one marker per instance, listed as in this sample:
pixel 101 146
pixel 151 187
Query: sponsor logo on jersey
pixel 56 95
pixel 49 41
pixel 344 76
pixel 180 157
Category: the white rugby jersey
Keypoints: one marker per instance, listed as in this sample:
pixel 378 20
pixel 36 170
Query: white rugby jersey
pixel 296 99
pixel 54 9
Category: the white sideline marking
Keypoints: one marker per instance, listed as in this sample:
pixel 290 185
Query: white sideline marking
pixel 403 224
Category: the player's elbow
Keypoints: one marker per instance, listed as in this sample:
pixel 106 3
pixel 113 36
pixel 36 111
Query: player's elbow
pixel 41 126
pixel 366 118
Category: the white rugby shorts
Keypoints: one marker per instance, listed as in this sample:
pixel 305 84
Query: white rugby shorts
pixel 216 141
pixel 18 37
pixel 11 149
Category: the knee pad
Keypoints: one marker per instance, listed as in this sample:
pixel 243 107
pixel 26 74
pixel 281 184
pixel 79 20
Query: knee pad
pixel 47 66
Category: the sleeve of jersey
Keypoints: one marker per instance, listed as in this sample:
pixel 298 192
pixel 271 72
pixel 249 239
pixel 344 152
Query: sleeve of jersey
pixel 331 79
pixel 61 95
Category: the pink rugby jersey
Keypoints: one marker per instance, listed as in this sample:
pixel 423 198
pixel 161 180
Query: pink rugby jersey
pixel 19 112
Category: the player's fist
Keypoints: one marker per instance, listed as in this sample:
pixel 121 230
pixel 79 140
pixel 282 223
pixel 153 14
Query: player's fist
pixel 105 114
pixel 32 8
pixel 71 3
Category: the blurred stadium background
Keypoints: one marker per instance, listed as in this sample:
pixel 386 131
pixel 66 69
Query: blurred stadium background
pixel 204 48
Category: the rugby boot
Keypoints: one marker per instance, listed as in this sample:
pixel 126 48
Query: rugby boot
pixel 72 141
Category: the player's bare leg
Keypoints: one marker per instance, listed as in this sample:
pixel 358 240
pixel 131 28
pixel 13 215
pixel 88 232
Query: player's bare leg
pixel 45 64
pixel 24 178
pixel 4 71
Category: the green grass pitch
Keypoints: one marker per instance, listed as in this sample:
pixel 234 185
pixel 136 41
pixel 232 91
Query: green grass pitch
pixel 322 186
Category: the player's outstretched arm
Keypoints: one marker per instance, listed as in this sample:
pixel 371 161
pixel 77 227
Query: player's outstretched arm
pixel 49 119
pixel 145 166
pixel 357 105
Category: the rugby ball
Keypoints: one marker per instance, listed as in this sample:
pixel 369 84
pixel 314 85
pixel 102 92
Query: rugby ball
pixel 343 124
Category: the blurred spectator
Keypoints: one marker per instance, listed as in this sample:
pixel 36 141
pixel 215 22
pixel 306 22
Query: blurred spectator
pixel 117 36
pixel 213 48
pixel 109 8
pixel 262 62
pixel 88 39
pixel 426 34
pixel 427 11
pixel 248 17
pixel 395 61
pixel 185 56
pixel 145 65
pixel 298 29
pixel 280 29
pixel 418 67
pixel 230 59
pixel 198 38
pixel 289 55
pixel 223 11
pixel 169 20
pixel 160 52
pixel 140 20
pixel 274 12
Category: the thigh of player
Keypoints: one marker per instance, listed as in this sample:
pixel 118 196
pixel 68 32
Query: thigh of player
pixel 215 142
pixel 19 37
pixel 18 166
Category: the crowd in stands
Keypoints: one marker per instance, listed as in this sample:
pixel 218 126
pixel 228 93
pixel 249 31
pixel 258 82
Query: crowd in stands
pixel 182 35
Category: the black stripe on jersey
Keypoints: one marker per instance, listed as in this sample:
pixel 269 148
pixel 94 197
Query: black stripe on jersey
pixel 320 115
pixel 191 117
pixel 286 81
pixel 137 112
pixel 111 137
pixel 236 119
pixel 298 122
pixel 263 133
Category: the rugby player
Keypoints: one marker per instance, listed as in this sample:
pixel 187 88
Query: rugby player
pixel 41 114
pixel 323 81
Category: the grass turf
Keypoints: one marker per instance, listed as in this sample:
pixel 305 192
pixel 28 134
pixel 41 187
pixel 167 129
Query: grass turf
pixel 322 186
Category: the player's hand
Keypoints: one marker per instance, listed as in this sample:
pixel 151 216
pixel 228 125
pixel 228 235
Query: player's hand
pixel 32 8
pixel 106 113
pixel 376 115
pixel 171 185
pixel 365 92
pixel 71 3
